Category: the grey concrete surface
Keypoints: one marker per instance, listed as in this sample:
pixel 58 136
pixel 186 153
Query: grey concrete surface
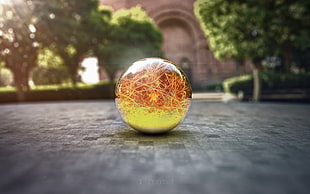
pixel 84 147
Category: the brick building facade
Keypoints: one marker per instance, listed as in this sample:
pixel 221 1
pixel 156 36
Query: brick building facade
pixel 184 41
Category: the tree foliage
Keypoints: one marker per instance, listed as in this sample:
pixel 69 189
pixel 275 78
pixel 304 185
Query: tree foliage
pixel 44 75
pixel 6 77
pixel 254 29
pixel 18 42
pixel 48 58
pixel 61 33
pixel 67 27
pixel 50 70
pixel 132 36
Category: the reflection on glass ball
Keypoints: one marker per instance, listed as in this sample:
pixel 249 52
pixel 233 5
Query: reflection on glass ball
pixel 153 95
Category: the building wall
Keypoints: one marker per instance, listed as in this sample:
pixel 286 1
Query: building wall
pixel 184 41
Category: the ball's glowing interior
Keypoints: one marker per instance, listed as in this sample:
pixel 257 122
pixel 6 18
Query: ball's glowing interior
pixel 153 95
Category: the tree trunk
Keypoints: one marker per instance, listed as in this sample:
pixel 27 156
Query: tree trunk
pixel 19 85
pixel 288 57
pixel 21 95
pixel 73 70
pixel 257 81
pixel 111 75
pixel 257 89
pixel 73 79
pixel 25 80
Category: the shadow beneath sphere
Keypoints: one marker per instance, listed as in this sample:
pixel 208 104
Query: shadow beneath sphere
pixel 180 133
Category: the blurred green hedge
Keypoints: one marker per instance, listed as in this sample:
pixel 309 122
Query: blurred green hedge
pixel 208 87
pixel 270 81
pixel 6 77
pixel 48 75
pixel 240 83
pixel 98 91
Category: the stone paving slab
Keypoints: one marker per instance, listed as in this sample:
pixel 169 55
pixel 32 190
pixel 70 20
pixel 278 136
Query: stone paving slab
pixel 84 147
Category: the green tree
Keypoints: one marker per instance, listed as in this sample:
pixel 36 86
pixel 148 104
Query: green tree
pixel 48 58
pixel 251 30
pixel 132 35
pixel 50 70
pixel 6 77
pixel 67 27
pixel 18 42
pixel 43 75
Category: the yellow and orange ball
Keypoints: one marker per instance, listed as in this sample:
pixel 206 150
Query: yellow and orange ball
pixel 153 95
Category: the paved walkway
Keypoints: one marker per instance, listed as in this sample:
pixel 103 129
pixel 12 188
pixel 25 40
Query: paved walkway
pixel 84 147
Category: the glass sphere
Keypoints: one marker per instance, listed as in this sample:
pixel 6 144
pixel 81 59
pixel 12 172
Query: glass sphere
pixel 153 95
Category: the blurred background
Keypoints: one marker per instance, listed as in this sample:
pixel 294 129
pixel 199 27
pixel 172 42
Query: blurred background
pixel 70 49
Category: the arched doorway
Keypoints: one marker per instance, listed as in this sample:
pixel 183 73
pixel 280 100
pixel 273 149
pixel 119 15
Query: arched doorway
pixel 178 43
pixel 183 38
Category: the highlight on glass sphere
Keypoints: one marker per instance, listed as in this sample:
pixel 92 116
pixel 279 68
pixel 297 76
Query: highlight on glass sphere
pixel 153 95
